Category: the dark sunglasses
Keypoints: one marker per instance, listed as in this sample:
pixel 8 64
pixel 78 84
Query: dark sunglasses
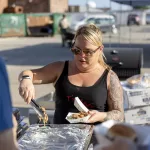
pixel 87 53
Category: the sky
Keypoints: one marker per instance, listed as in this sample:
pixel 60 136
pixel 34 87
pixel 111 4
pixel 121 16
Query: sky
pixel 99 3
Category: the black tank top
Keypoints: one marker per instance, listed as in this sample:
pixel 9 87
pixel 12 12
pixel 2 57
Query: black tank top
pixel 93 97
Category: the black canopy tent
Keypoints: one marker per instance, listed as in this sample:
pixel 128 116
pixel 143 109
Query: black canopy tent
pixel 133 2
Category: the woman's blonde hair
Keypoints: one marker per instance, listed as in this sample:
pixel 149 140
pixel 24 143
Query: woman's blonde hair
pixel 93 34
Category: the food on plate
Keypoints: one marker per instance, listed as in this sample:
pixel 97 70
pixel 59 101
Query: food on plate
pixel 141 80
pixel 78 115
pixel 134 80
pixel 45 118
pixel 120 130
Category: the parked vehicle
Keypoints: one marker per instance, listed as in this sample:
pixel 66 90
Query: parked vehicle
pixel 106 23
pixel 133 19
pixel 147 18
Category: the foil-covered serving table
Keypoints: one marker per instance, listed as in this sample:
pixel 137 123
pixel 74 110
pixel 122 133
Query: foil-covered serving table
pixel 56 137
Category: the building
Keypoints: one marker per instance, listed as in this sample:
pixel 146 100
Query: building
pixel 82 9
pixel 3 4
pixel 37 6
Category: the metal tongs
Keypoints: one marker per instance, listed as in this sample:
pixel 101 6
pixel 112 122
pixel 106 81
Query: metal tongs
pixel 37 108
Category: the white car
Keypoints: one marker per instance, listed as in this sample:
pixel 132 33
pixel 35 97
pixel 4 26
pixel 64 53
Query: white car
pixel 105 22
pixel 147 18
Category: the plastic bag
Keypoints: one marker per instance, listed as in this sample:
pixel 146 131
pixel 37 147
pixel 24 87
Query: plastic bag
pixel 139 81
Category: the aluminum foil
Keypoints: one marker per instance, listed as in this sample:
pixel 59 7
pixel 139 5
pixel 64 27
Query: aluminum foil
pixel 55 137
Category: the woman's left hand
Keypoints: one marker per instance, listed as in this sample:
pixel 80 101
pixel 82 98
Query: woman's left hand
pixel 96 116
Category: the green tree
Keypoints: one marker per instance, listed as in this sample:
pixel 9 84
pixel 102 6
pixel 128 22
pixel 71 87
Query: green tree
pixel 141 7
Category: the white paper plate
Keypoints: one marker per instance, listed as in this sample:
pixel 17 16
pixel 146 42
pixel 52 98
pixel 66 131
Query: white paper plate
pixel 82 120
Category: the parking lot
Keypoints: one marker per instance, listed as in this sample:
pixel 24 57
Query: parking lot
pixel 33 52
pixel 130 35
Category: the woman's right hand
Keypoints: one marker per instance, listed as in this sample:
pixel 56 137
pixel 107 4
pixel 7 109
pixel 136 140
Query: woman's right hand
pixel 27 90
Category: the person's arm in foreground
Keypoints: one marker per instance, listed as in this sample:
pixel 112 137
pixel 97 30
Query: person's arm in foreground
pixel 115 102
pixel 7 130
pixel 118 144
pixel 8 139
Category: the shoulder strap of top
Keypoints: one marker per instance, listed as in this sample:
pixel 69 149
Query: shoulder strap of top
pixel 65 70
pixel 103 78
pixel 104 75
pixel 63 74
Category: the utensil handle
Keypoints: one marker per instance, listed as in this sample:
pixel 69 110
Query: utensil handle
pixel 33 101
pixel 36 107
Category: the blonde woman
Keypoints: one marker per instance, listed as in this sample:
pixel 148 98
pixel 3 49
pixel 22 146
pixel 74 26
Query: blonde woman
pixel 86 76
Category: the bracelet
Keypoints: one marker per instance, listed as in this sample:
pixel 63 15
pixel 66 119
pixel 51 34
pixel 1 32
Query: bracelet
pixel 25 77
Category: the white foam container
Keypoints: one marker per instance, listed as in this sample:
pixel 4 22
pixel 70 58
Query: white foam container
pixel 82 108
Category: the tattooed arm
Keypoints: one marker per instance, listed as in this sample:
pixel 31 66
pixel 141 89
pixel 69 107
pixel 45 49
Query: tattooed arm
pixel 115 102
pixel 115 99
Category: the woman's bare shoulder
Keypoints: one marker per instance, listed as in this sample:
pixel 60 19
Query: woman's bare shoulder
pixel 58 65
pixel 112 74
